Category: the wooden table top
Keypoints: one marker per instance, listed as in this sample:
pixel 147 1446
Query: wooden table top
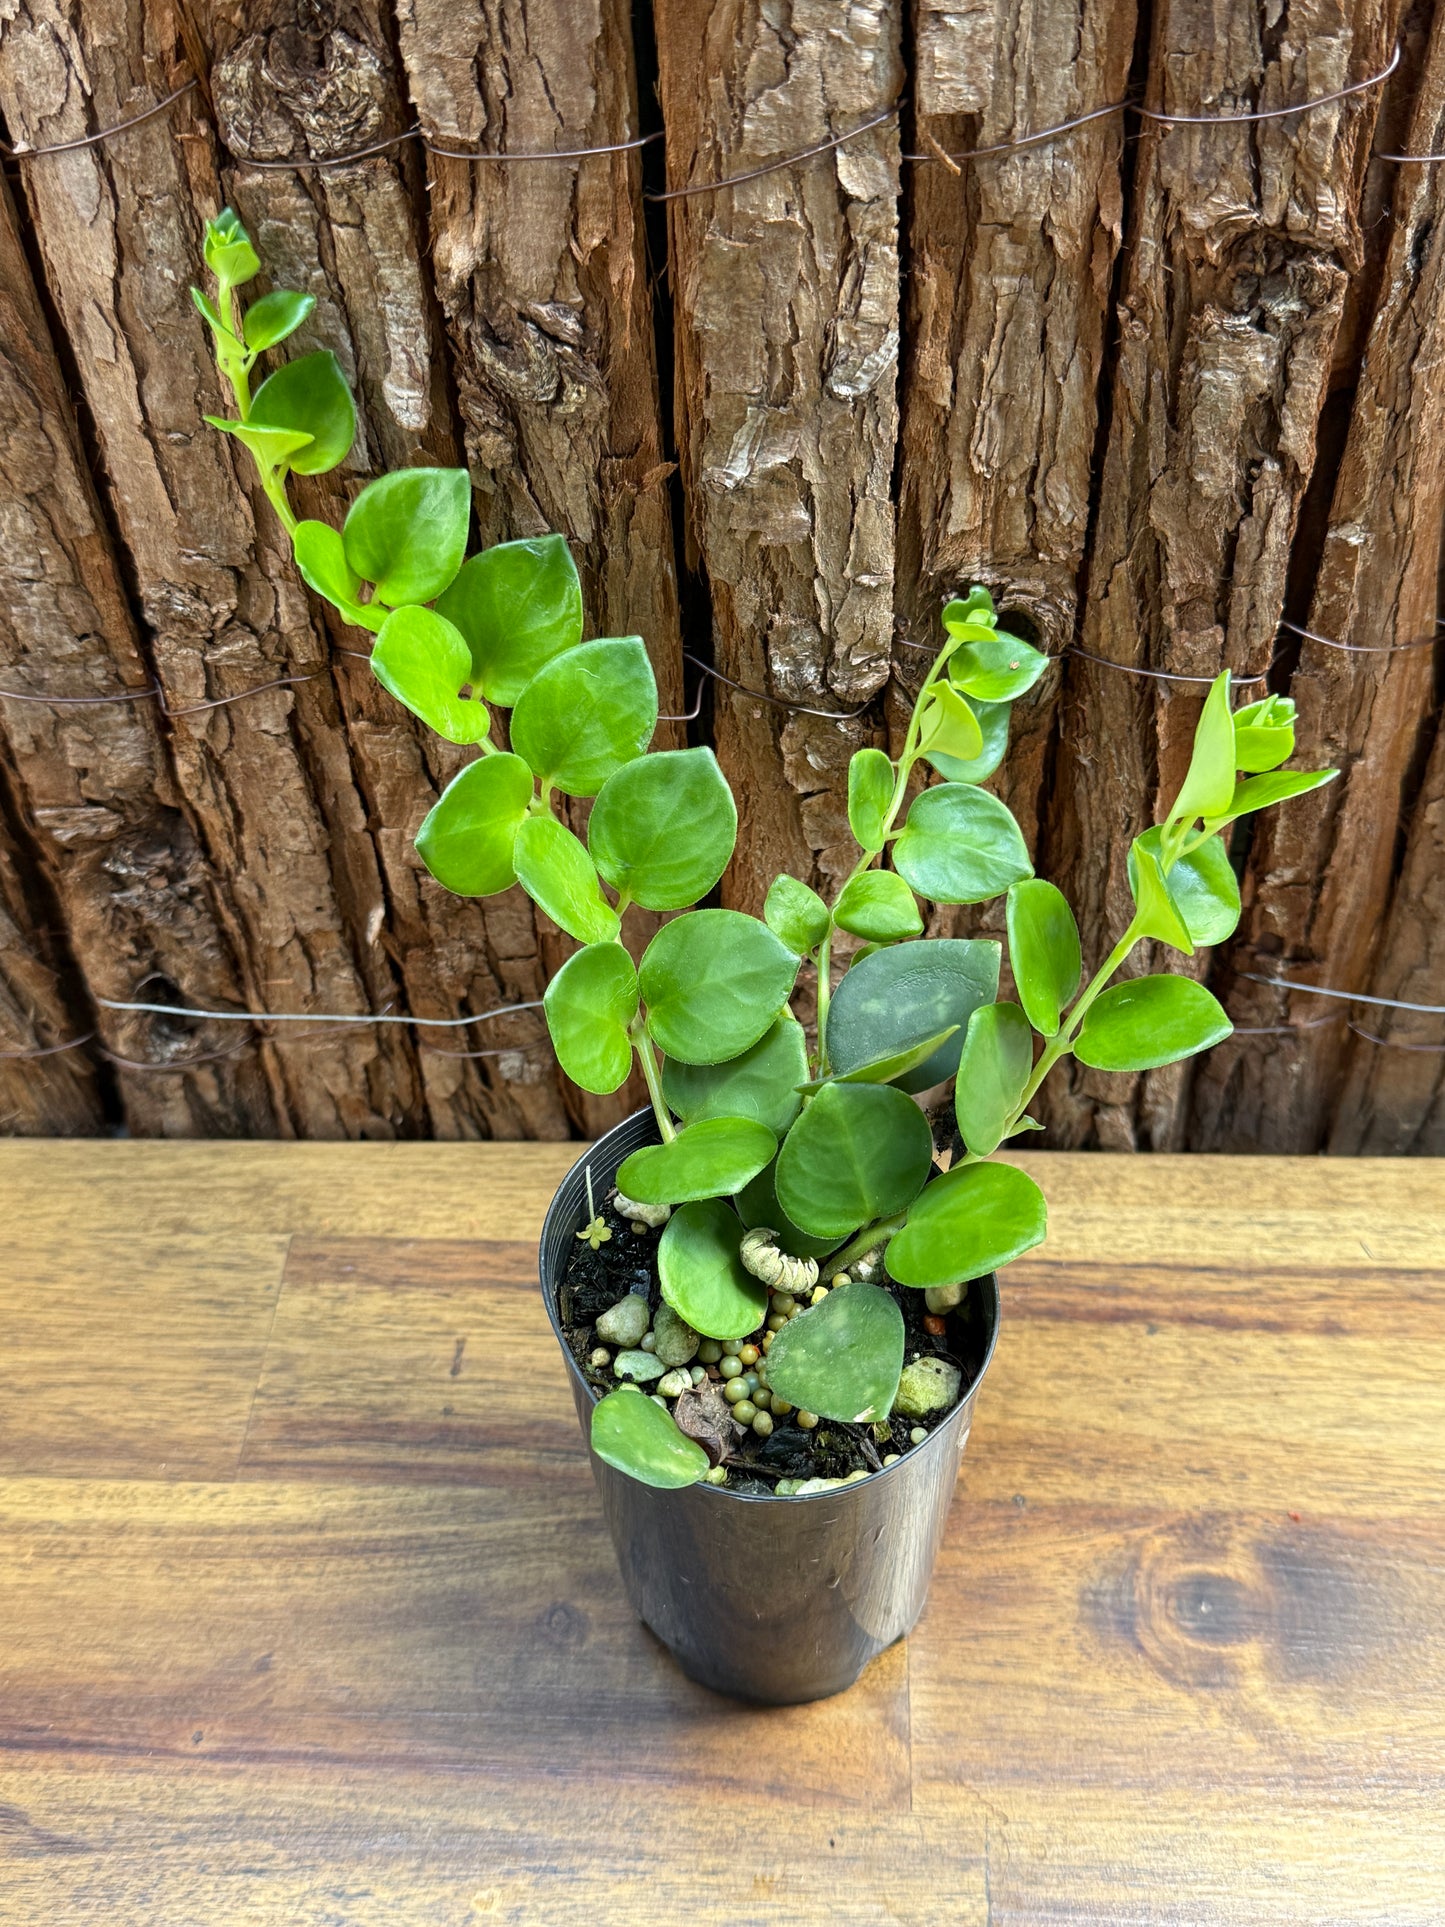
pixel 308 1615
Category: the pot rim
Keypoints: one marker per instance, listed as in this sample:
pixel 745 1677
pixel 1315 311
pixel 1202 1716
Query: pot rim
pixel 722 1492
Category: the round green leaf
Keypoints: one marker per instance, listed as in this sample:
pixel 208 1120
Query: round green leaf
pixel 713 981
pixel 841 1358
pixel 518 604
pixel 407 533
pixel 584 715
pixel 960 845
pixel 467 836
pixel 796 914
pixel 1156 914
pixel 968 1222
pixel 1209 784
pixel 757 1203
pixel 701 1274
pixel 321 558
pixel 710 1159
pixel 880 906
pixel 663 827
pixel 640 1439
pixel 894 999
pixel 589 1005
pixel 997 668
pixel 998 1057
pixel 423 662
pixel 948 726
pixel 1203 887
pixel 858 1152
pixel 871 778
pixel 1043 950
pixel 1150 1021
pixel 311 396
pixel 557 874
pixel 275 316
pixel 992 721
pixel 885 1070
pixel 762 1083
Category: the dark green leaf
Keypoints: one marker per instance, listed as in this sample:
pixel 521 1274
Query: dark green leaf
pixel 998 1057
pixel 311 397
pixel 518 604
pixel 272 447
pixel 997 668
pixel 713 981
pixel 757 1204
pixel 1156 914
pixel 557 874
pixel 960 845
pixel 1209 783
pixel 897 998
pixel 993 725
pixel 1044 954
pixel 1203 886
pixel 640 1439
pixel 407 533
pixel 762 1083
pixel 842 1358
pixel 710 1159
pixel 967 1223
pixel 423 662
pixel 878 905
pixel 871 778
pixel 467 836
pixel 1258 792
pixel 586 714
pixel 885 1070
pixel 949 727
pixel 321 558
pixel 796 914
pixel 858 1152
pixel 1150 1021
pixel 663 827
pixel 1264 734
pixel 701 1274
pixel 275 316
pixel 589 1005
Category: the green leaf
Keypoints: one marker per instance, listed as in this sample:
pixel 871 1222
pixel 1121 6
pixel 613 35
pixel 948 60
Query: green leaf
pixel 1150 1021
pixel 1155 912
pixel 1044 953
pixel 713 982
pixel 967 1223
pixel 796 914
pixel 321 558
pixel 998 1057
pixel 275 316
pixel 272 447
pixel 1209 783
pixel 467 836
pixel 884 1070
pixel 701 1274
pixel 993 726
pixel 858 1152
pixel 310 396
pixel 843 1357
pixel 960 845
pixel 640 1439
pixel 1258 792
pixel 880 906
pixel 949 727
pixel 228 251
pixel 407 533
pixel 589 1004
pixel 997 668
pixel 518 604
pixel 663 827
pixel 757 1203
pixel 761 1084
pixel 710 1159
pixel 895 999
pixel 974 609
pixel 871 778
pixel 586 714
pixel 1264 734
pixel 557 874
pixel 423 662
pixel 1203 887
pixel 209 313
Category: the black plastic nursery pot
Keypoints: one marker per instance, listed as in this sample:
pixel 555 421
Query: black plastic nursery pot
pixel 777 1599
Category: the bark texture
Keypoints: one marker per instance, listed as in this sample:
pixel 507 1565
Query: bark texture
pixel 40 1096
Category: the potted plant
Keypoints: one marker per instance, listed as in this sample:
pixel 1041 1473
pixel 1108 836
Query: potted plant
pixel 775 1288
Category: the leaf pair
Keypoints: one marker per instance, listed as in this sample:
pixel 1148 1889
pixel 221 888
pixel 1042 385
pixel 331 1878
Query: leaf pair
pixel 1253 740
pixel 301 418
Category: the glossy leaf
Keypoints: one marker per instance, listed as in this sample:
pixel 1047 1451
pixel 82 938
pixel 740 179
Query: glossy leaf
pixel 466 837
pixel 321 558
pixel 871 778
pixel 878 905
pixel 974 609
pixel 423 662
pixel 858 1152
pixel 557 874
pixel 1203 886
pixel 895 999
pixel 1264 734
pixel 518 604
pixel 272 447
pixel 967 1223
pixel 960 845
pixel 885 1070
pixel 709 1159
pixel 701 1274
pixel 796 914
pixel 997 668
pixel 1209 783
pixel 640 1439
pixel 993 720
pixel 663 827
pixel 1156 914
pixel 998 1057
pixel 948 726
pixel 1150 1021
pixel 586 714
pixel 761 1084
pixel 407 533
pixel 1258 792
pixel 311 397
pixel 757 1203
pixel 209 313
pixel 1044 953
pixel 228 251
pixel 275 316
pixel 843 1357
pixel 589 1005
pixel 713 982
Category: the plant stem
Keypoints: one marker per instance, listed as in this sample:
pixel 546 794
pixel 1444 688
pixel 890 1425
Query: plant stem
pixel 866 1240
pixel 647 1057
pixel 1062 1044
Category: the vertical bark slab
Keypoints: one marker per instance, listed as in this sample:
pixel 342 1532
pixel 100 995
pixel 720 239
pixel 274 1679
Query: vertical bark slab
pixel 1321 868
pixel 51 1096
pixel 268 779
pixel 93 780
pixel 785 292
pixel 1242 242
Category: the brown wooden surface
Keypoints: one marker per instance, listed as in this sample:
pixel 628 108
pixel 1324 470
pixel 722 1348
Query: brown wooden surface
pixel 307 1612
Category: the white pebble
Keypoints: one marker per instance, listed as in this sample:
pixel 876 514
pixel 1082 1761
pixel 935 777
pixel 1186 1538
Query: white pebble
pixel 600 1358
pixel 917 1435
pixel 890 1458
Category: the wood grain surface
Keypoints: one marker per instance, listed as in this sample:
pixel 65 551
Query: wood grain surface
pixel 308 1614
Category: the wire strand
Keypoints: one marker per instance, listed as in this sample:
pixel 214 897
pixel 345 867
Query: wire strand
pixel 1345 996
pixel 313 1016
pixel 1273 113
pixel 778 702
pixel 775 167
